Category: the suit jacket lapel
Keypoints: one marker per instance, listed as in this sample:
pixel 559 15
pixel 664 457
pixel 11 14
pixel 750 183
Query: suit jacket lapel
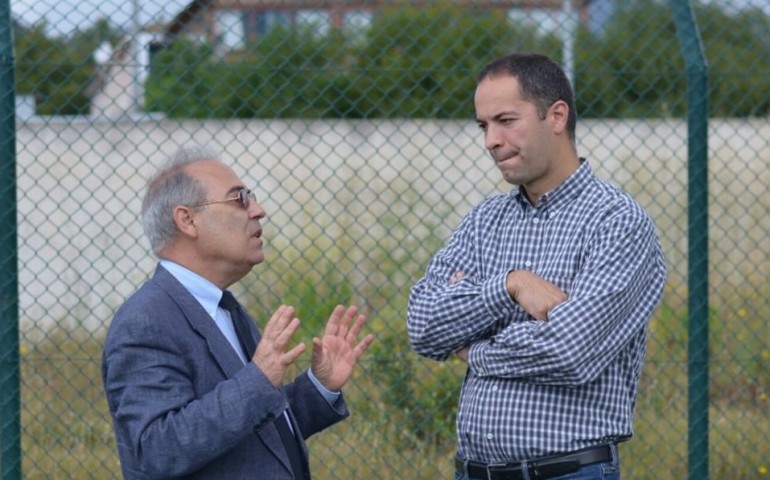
pixel 200 321
pixel 222 352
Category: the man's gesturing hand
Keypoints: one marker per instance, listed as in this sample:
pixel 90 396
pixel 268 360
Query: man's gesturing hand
pixel 271 356
pixel 336 353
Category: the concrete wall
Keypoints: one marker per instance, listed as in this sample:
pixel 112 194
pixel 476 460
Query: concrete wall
pixel 80 183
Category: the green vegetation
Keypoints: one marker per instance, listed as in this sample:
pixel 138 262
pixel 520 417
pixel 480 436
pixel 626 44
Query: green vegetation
pixel 417 63
pixel 422 62
pixel 58 71
pixel 414 63
pixel 635 69
pixel 403 406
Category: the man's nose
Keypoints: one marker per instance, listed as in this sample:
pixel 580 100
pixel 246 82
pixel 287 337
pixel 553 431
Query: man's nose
pixel 256 210
pixel 492 137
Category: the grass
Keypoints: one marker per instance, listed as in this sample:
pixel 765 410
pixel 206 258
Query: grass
pixel 66 431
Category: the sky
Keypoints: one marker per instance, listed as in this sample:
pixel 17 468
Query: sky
pixel 65 16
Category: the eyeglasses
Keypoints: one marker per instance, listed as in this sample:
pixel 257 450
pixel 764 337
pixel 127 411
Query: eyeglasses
pixel 245 197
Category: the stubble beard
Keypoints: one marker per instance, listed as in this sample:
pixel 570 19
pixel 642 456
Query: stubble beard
pixel 514 174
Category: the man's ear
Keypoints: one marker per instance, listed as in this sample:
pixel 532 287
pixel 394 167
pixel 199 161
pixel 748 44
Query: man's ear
pixel 559 113
pixel 184 221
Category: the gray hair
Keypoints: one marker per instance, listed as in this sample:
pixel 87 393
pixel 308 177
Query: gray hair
pixel 169 187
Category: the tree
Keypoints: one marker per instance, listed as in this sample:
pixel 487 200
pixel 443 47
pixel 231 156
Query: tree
pixel 412 63
pixel 177 82
pixel 423 62
pixel 288 73
pixel 635 69
pixel 58 71
pixel 737 48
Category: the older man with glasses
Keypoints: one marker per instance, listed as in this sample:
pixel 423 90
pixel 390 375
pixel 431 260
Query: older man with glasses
pixel 195 390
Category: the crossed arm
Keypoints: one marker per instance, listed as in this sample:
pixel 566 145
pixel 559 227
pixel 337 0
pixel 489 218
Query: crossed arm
pixel 518 323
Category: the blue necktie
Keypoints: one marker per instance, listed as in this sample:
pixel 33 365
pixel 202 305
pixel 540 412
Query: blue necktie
pixel 249 346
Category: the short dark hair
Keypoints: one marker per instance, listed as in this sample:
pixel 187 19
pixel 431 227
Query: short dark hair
pixel 541 80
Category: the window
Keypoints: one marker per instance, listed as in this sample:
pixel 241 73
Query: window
pixel 317 20
pixel 355 23
pixel 270 20
pixel 229 29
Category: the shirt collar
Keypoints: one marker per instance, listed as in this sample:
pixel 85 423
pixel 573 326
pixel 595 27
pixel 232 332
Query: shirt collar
pixel 563 193
pixel 207 294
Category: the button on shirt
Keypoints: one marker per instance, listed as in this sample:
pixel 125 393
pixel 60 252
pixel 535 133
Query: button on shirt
pixel 536 388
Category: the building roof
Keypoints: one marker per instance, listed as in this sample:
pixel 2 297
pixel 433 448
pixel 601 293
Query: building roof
pixel 196 7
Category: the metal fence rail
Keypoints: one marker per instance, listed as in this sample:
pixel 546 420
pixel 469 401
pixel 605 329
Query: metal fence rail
pixel 697 216
pixel 355 126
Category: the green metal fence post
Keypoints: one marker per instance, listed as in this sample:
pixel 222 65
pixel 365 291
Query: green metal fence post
pixel 10 423
pixel 697 238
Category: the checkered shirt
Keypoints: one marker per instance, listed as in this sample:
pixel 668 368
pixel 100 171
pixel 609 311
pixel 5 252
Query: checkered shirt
pixel 537 388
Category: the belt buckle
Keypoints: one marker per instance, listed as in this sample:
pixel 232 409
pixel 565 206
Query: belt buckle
pixel 534 471
pixel 492 465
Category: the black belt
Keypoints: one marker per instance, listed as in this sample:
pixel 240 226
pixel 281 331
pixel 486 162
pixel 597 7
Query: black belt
pixel 538 469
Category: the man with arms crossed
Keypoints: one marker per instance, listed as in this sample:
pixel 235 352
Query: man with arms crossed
pixel 546 292
pixel 195 391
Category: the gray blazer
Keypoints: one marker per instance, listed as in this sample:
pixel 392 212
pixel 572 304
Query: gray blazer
pixel 182 402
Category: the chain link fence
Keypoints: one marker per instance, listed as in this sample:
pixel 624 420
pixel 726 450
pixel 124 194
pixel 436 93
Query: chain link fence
pixel 353 122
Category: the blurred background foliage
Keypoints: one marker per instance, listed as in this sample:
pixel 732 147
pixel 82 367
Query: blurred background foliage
pixel 414 63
